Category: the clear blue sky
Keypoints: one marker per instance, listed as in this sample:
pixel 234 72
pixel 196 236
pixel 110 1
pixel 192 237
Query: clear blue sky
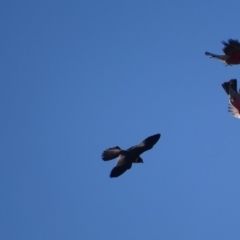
pixel 77 77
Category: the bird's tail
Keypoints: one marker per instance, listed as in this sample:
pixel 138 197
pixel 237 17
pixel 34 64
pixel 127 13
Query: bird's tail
pixel 111 153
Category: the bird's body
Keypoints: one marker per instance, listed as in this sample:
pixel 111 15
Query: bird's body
pixel 231 51
pixel 129 156
pixel 230 88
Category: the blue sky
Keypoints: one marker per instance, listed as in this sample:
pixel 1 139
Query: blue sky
pixel 78 77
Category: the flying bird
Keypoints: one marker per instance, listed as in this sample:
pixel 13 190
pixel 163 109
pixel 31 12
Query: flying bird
pixel 230 88
pixel 129 156
pixel 231 51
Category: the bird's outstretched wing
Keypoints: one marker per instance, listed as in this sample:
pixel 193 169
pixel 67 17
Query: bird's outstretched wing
pixel 122 166
pixel 231 46
pixel 111 153
pixel 145 145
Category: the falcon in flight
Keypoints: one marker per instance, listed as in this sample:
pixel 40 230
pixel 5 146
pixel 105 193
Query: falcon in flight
pixel 129 156
pixel 231 51
pixel 230 88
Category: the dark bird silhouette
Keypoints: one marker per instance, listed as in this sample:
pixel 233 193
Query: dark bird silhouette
pixel 230 88
pixel 231 51
pixel 129 156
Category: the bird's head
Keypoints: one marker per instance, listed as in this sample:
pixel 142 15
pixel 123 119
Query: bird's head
pixel 139 160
